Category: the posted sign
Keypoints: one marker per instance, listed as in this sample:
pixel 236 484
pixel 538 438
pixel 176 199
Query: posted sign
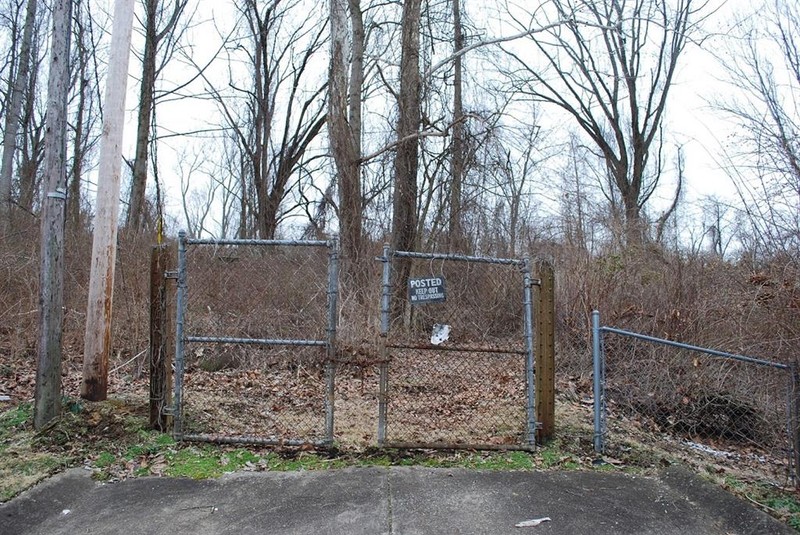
pixel 426 290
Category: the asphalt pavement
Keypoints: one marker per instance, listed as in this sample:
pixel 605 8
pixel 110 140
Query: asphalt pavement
pixel 396 500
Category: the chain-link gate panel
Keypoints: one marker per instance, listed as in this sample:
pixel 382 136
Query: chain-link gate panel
pixel 255 335
pixel 457 346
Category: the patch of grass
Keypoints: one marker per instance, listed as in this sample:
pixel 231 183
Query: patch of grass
pixel 21 469
pixel 483 460
pixel 207 462
pixel 14 418
pixel 150 443
pixel 302 461
pixel 20 465
pixel 105 459
pixel 783 504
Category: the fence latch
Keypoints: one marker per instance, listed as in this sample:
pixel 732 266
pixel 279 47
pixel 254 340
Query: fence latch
pixel 171 275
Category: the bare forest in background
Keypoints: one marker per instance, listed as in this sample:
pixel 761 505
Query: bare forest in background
pixel 543 131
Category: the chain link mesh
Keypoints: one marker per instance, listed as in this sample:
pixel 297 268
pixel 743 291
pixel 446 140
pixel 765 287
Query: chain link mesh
pixel 457 398
pixel 258 292
pixel 483 307
pixel 471 390
pixel 735 411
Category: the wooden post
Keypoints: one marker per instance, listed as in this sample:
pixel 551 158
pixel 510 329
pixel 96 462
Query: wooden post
pixel 545 354
pixel 794 421
pixel 51 272
pixel 104 245
pixel 161 339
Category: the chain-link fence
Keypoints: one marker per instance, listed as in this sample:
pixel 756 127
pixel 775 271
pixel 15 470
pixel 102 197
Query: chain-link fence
pixel 737 408
pixel 255 333
pixel 457 347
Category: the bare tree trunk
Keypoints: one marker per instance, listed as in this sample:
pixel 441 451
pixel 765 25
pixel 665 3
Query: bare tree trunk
pixel 344 123
pixel 406 164
pixel 17 90
pixel 104 246
pixel 135 219
pixel 78 151
pixel 51 275
pixel 456 228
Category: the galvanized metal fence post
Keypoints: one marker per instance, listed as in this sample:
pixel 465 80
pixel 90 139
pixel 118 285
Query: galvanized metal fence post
pixel 599 396
pixel 180 312
pixel 386 288
pixel 330 366
pixel 529 357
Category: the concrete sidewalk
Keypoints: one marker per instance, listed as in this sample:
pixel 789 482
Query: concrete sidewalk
pixel 385 501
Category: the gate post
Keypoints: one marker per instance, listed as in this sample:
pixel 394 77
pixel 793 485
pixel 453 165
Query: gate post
pixel 330 366
pixel 545 353
pixel 180 304
pixel 599 380
pixel 386 288
pixel 161 262
pixel 529 348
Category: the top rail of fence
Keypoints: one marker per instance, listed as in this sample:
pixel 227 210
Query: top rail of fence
pixel 282 243
pixel 713 352
pixel 460 258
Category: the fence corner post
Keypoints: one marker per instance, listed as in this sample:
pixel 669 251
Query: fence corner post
pixel 599 395
pixel 545 353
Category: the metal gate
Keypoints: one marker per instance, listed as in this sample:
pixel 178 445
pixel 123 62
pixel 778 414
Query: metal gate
pixel 255 336
pixel 457 358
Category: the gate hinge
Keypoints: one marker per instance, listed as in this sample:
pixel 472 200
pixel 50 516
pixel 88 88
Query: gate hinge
pixel 171 275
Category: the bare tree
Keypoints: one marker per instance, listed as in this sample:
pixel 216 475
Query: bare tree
pixel 609 65
pixel 406 163
pixel 765 157
pixel 161 18
pixel 345 87
pixel 17 85
pixel 457 163
pixel 85 101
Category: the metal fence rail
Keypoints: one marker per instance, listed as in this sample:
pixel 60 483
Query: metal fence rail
pixel 718 399
pixel 476 387
pixel 255 341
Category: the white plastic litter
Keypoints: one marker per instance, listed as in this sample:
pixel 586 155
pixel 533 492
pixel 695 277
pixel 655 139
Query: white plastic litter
pixel 532 523
pixel 65 512
pixel 441 333
pixel 709 450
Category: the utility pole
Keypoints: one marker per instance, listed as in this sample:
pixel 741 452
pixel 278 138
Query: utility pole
pixel 47 404
pixel 104 246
